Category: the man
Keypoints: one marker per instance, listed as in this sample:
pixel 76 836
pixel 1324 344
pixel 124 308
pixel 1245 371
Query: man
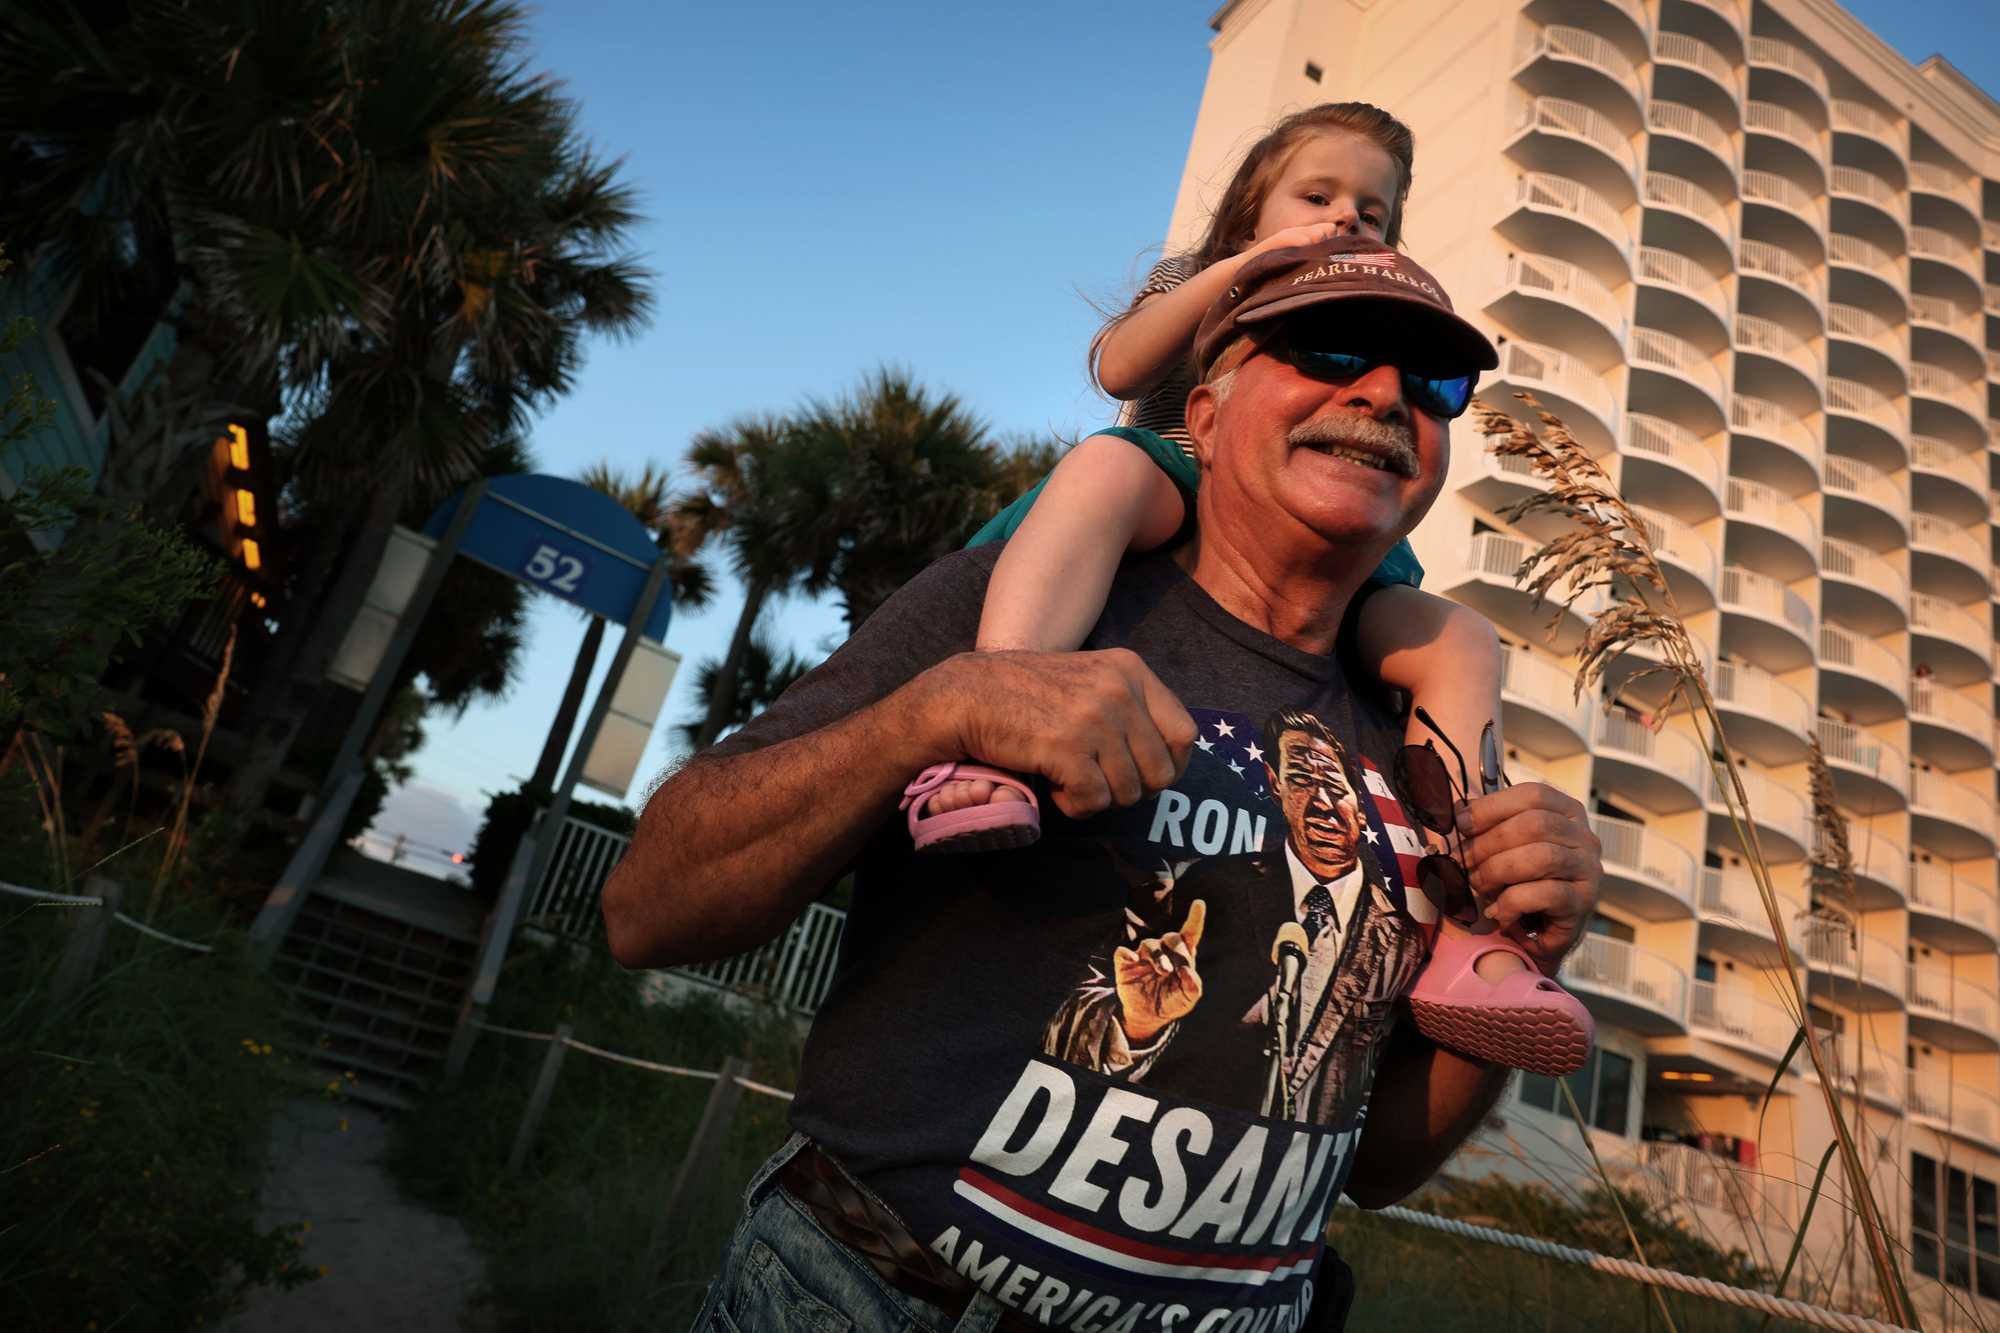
pixel 949 1171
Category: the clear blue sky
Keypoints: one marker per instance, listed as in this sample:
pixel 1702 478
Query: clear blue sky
pixel 834 187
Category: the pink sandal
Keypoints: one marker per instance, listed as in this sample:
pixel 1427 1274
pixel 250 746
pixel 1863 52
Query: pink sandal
pixel 997 826
pixel 1526 1021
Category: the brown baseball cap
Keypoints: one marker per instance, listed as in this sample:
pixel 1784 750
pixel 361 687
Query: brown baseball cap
pixel 1406 313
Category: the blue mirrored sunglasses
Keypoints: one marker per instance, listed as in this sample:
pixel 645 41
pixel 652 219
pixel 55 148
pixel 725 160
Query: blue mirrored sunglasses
pixel 1442 398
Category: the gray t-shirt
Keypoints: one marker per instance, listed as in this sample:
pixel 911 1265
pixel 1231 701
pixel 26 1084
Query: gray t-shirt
pixel 1080 1140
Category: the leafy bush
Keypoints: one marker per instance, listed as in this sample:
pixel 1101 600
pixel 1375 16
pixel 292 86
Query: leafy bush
pixel 566 1238
pixel 134 1143
pixel 508 815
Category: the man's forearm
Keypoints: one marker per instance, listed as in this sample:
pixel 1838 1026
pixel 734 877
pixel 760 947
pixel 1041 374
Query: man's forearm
pixel 728 850
pixel 1426 1102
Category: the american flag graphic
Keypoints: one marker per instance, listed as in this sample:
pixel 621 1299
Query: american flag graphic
pixel 1377 259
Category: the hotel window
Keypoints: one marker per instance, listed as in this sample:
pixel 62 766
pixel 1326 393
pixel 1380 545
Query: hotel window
pixel 1603 1091
pixel 1954 1226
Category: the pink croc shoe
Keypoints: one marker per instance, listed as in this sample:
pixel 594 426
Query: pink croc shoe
pixel 1526 1021
pixel 998 826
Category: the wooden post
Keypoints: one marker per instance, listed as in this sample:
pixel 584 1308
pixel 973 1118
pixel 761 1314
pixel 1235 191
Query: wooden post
pixel 89 927
pixel 538 1103
pixel 704 1152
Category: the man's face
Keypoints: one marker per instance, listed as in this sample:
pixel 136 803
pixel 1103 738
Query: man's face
pixel 1320 810
pixel 1281 454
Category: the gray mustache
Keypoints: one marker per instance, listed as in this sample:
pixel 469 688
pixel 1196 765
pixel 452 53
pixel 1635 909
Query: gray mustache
pixel 1393 440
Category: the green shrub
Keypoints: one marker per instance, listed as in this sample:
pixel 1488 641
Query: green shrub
pixel 565 1239
pixel 136 1129
pixel 508 815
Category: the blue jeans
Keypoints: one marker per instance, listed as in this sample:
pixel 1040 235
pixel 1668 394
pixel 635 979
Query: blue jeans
pixel 782 1274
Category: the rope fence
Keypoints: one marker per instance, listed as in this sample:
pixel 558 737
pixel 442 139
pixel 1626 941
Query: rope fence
pixel 107 899
pixel 749 1085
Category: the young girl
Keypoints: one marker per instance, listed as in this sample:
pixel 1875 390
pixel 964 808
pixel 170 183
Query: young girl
pixel 1331 170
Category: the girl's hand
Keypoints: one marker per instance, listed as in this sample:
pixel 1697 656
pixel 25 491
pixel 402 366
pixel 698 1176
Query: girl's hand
pixel 1310 233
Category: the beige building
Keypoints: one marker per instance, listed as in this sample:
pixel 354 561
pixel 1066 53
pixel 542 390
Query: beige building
pixel 1752 257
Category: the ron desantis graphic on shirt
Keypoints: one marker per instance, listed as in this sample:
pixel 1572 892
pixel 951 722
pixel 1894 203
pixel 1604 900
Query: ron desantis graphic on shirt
pixel 1181 1003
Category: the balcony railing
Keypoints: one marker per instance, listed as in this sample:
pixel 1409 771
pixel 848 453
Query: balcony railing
pixel 1947 315
pixel 1870 258
pixel 1759 416
pixel 1679 118
pixel 1850 747
pixel 1941 534
pixel 1546 688
pixel 1935 456
pixel 1754 502
pixel 1936 382
pixel 1543 192
pixel 1657 349
pixel 1849 652
pixel 1747 689
pixel 1668 191
pixel 1867 185
pixel 1855 399
pixel 1770 805
pixel 1667 751
pixel 1992 289
pixel 1860 118
pixel 1936 178
pixel 1934 793
pixel 1930 243
pixel 1942 620
pixel 1879 858
pixel 1577 44
pixel 1757 334
pixel 1747 590
pixel 1866 327
pixel 1779 264
pixel 1669 269
pixel 1933 703
pixel 1562 373
pixel 1885 490
pixel 1559 115
pixel 1680 49
pixel 1675 541
pixel 1656 437
pixel 1939 994
pixel 1740 1017
pixel 1968 1112
pixel 1936 890
pixel 1635 849
pixel 1768 187
pixel 1560 280
pixel 1784 56
pixel 1831 946
pixel 1617 968
pixel 1989 231
pixel 1785 123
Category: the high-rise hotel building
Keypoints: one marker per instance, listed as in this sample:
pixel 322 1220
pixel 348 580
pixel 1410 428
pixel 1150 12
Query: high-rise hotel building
pixel 1751 256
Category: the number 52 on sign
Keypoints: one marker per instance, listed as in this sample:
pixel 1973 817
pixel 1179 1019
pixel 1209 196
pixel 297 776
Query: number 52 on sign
pixel 555 569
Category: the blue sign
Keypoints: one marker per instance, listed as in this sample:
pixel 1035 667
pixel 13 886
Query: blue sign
pixel 566 539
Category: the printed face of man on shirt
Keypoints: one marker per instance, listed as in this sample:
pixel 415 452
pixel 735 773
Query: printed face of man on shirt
pixel 1321 812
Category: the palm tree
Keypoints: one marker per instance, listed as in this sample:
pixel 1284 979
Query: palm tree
pixel 648 497
pixel 760 679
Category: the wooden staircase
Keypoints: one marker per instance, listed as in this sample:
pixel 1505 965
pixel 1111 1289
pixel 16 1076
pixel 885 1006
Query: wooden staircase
pixel 377 964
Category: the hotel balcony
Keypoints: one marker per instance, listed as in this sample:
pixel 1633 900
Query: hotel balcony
pixel 1952 255
pixel 1949 730
pixel 1881 869
pixel 1864 504
pixel 1684 217
pixel 1681 52
pixel 1787 127
pixel 1863 257
pixel 1949 558
pixel 1690 142
pixel 1858 118
pixel 1628 987
pixel 1488 587
pixel 1934 178
pixel 1866 974
pixel 1673 374
pixel 1964 323
pixel 1992 290
pixel 1775 363
pixel 1950 638
pixel 1762 716
pixel 1668 464
pixel 1540 709
pixel 1575 61
pixel 1859 677
pixel 1955 914
pixel 1554 301
pixel 1765 622
pixel 1767 53
pixel 1870 775
pixel 1575 140
pixel 1680 296
pixel 1989 232
pixel 1769 530
pixel 1729 11
pixel 1952 819
pixel 1785 208
pixel 1783 820
pixel 1774 442
pixel 1553 214
pixel 1860 588
pixel 1661 770
pixel 1861 186
pixel 1686 558
pixel 1948 1104
pixel 1737 1018
pixel 1644 873
pixel 1951 1012
pixel 1869 332
pixel 1795 281
pixel 1881 1081
pixel 1945 475
pixel 1582 397
pixel 1498 480
pixel 1733 919
pixel 1941 386
pixel 1866 422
